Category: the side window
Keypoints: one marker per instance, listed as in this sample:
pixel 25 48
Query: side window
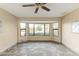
pixel 22 32
pixel 31 29
pixel 55 29
pixel 22 29
pixel 47 28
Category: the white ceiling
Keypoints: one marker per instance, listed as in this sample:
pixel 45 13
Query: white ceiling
pixel 57 9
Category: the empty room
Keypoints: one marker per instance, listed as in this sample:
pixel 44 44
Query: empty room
pixel 39 29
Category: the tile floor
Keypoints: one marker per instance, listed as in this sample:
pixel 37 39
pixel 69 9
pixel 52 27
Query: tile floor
pixel 39 49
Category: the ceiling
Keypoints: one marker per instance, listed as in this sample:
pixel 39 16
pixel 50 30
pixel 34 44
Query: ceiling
pixel 57 9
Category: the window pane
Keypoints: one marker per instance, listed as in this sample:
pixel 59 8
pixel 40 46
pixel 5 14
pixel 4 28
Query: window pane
pixel 31 29
pixel 39 29
pixel 22 25
pixel 46 29
pixel 55 25
pixel 56 32
pixel 22 32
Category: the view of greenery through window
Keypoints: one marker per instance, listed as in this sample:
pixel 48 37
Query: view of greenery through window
pixel 39 29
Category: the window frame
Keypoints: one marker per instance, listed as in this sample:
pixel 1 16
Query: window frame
pixel 29 29
pixel 55 29
pixel 45 30
pixel 23 29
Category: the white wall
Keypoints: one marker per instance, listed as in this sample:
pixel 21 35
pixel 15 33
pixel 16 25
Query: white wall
pixel 8 30
pixel 70 39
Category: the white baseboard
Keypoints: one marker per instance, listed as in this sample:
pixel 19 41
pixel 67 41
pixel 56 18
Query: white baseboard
pixel 7 48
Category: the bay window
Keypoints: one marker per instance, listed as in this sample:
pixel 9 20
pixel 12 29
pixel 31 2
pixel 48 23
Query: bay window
pixel 39 29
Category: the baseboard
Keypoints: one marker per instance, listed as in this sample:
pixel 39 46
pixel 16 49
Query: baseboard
pixel 8 48
pixel 70 49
